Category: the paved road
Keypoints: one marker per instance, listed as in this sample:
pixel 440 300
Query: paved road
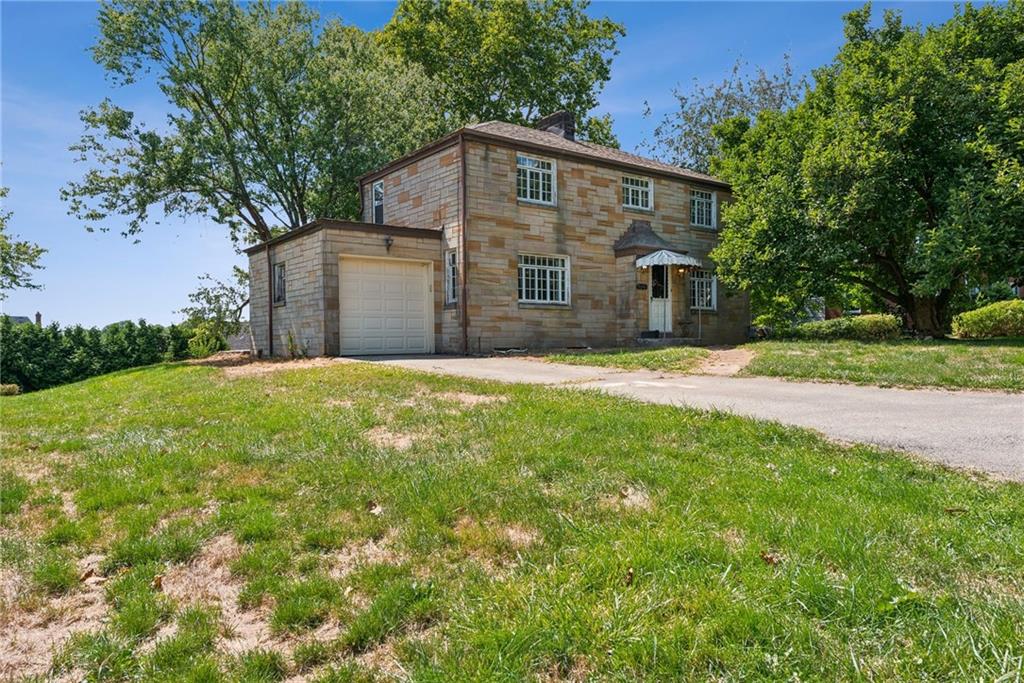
pixel 975 430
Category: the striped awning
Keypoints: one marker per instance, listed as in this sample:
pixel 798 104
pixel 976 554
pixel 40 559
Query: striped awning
pixel 664 257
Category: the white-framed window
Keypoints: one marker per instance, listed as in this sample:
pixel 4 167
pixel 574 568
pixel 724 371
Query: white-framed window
pixel 279 284
pixel 535 179
pixel 637 193
pixel 543 279
pixel 703 290
pixel 378 202
pixel 451 276
pixel 703 209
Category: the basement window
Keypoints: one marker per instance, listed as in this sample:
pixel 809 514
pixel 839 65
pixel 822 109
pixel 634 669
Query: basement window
pixel 279 284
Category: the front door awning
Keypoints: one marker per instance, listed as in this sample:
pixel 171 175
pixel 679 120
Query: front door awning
pixel 664 257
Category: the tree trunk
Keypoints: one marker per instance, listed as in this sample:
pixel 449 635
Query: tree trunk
pixel 925 314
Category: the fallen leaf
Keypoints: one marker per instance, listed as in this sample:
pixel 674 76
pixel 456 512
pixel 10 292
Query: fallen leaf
pixel 771 558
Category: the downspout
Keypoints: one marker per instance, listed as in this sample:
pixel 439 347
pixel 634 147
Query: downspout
pixel 463 206
pixel 270 305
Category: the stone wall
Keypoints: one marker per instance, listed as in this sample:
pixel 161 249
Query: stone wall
pixel 425 194
pixel 302 314
pixel 605 308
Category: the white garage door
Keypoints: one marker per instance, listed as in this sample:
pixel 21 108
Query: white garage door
pixel 386 306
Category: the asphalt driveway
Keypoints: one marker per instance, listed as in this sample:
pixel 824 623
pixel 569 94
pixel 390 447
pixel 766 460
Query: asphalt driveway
pixel 969 429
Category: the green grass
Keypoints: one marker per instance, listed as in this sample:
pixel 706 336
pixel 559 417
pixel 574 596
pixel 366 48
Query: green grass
pixel 549 533
pixel 669 359
pixel 997 364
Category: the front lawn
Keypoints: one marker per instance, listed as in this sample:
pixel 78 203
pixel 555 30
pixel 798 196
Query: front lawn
pixel 668 359
pixel 997 364
pixel 347 521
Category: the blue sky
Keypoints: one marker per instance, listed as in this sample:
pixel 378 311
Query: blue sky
pixel 47 76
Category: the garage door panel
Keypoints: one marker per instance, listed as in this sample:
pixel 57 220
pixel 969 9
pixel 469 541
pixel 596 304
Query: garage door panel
pixel 384 306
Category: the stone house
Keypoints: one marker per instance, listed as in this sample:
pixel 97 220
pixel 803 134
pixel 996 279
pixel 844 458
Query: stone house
pixel 502 236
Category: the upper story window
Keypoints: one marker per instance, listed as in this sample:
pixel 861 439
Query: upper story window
pixel 378 202
pixel 279 284
pixel 543 279
pixel 703 290
pixel 535 179
pixel 703 209
pixel 637 193
pixel 451 276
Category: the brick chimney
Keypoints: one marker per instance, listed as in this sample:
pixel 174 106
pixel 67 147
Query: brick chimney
pixel 560 123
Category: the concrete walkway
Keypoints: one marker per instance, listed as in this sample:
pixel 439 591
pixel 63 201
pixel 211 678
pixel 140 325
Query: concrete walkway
pixel 969 429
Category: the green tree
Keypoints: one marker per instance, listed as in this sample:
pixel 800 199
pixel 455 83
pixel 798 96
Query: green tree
pixel 17 258
pixel 272 117
pixel 684 137
pixel 902 171
pixel 510 61
pixel 219 304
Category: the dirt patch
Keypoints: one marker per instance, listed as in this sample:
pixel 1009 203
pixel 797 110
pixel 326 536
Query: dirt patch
pixel 338 403
pixel 207 580
pixel 725 361
pixel 382 437
pixel 223 359
pixel 732 537
pixel 30 638
pixel 521 537
pixel 384 659
pixel 266 367
pixel 363 553
pixel 470 400
pixel 628 498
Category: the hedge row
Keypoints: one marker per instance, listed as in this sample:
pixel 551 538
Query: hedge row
pixel 41 357
pixel 873 327
pixel 1001 319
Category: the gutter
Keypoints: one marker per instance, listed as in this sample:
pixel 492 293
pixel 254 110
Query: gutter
pixel 270 305
pixel 463 214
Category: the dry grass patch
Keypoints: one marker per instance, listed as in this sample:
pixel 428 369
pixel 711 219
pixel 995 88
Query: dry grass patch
pixel 365 553
pixel 628 498
pixel 382 437
pixel 266 367
pixel 32 632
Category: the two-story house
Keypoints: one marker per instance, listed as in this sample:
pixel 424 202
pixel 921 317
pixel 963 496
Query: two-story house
pixel 502 236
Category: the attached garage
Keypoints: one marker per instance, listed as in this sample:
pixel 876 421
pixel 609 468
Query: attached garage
pixel 346 288
pixel 386 306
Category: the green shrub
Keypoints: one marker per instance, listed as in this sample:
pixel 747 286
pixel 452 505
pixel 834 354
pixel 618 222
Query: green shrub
pixel 1001 319
pixel 37 357
pixel 873 327
pixel 205 341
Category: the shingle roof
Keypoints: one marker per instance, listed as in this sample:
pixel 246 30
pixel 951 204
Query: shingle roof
pixel 515 133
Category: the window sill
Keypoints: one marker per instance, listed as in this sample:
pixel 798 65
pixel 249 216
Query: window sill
pixel 280 304
pixel 703 310
pixel 531 202
pixel 704 228
pixel 450 305
pixel 531 304
pixel 637 209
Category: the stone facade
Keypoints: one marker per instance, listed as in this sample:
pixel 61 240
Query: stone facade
pixel 308 323
pixel 606 307
pixel 609 296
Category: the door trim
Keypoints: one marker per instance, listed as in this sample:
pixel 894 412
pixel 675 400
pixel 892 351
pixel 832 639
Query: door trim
pixel 667 312
pixel 431 334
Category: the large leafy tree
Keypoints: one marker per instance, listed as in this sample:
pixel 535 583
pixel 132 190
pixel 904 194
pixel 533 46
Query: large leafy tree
pixel 18 258
pixel 272 117
pixel 684 136
pixel 511 61
pixel 902 171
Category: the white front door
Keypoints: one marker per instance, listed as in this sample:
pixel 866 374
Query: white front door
pixel 386 306
pixel 661 299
